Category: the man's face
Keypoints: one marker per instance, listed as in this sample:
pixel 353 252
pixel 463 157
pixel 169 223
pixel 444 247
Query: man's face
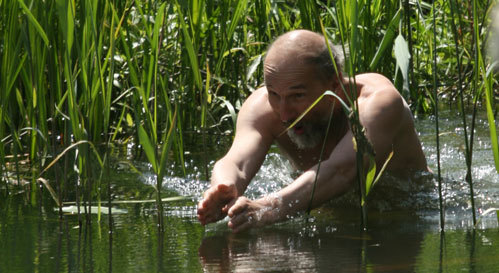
pixel 292 88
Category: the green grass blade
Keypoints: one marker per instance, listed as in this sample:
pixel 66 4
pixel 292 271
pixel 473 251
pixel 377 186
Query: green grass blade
pixel 66 17
pixel 165 149
pixel 166 199
pixel 326 93
pixel 387 41
pixel 50 189
pixel 189 46
pixel 369 179
pixel 35 23
pixel 403 56
pixel 489 97
pixel 383 168
pixel 485 213
pixel 236 17
pixel 74 145
pixel 231 109
pixel 149 148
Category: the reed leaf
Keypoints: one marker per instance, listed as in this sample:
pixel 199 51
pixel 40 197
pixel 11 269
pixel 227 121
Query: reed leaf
pixel 403 56
pixel 189 46
pixel 165 149
pixel 489 97
pixel 50 189
pixel 164 200
pixel 238 14
pixel 312 105
pixel 92 210
pixel 371 172
pixel 369 182
pixel 387 41
pixel 74 145
pixel 59 59
pixel 485 213
pixel 33 21
pixel 148 147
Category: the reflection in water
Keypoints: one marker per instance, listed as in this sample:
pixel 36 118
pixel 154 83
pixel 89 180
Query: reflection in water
pixel 269 252
pixel 324 246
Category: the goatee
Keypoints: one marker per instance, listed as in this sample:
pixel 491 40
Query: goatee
pixel 311 133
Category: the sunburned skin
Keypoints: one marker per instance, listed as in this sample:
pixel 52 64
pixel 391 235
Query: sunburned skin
pixel 292 84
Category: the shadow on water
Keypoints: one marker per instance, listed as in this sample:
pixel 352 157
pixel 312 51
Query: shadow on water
pixel 403 234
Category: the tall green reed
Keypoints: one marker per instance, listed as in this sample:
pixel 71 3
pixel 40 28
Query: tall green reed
pixel 152 88
pixel 11 63
pixel 437 128
pixel 346 15
pixel 93 72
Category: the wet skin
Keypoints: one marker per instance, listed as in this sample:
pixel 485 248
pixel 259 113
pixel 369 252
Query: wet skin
pixel 291 86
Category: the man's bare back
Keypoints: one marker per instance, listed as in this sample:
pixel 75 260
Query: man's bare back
pixel 293 82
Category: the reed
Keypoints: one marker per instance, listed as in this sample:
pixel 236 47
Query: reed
pixel 437 128
pixel 104 72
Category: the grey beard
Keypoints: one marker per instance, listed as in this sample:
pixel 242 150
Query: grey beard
pixel 312 136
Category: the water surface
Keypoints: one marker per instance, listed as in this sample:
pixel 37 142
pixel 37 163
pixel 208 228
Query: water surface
pixel 403 233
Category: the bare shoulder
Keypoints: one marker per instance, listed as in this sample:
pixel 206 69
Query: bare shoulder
pixel 379 98
pixel 256 113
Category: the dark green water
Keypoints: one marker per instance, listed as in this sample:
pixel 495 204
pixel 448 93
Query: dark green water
pixel 403 234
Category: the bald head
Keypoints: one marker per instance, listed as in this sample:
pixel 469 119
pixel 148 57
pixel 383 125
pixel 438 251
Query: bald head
pixel 301 47
pixel 297 42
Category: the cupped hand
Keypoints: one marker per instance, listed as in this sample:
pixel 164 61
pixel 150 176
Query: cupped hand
pixel 245 213
pixel 213 206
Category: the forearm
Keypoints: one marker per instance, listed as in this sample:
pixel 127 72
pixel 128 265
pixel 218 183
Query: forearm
pixel 296 197
pixel 245 213
pixel 226 172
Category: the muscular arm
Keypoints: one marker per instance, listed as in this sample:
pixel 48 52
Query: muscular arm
pixel 232 173
pixel 336 176
pixel 382 117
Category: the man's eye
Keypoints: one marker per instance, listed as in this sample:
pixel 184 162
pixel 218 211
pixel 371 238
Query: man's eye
pixel 299 95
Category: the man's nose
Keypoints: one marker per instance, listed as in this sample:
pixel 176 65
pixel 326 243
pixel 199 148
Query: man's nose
pixel 286 112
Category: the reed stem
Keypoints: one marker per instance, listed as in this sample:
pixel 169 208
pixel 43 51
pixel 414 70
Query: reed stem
pixel 437 129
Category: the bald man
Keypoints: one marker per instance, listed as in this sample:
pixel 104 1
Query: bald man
pixel 297 70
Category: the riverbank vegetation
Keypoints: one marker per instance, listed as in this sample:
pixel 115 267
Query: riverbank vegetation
pixel 78 79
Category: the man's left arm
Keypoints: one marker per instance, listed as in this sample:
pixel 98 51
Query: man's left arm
pixel 382 117
pixel 336 176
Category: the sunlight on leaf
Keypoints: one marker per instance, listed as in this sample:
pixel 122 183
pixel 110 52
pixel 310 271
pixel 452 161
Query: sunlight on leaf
pixel 487 212
pixel 402 56
pixel 93 210
pixel 148 148
pixel 326 93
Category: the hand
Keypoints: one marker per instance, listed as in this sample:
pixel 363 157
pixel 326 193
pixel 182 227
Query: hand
pixel 245 213
pixel 213 206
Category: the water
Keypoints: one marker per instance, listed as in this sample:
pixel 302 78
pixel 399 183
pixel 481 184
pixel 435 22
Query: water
pixel 403 234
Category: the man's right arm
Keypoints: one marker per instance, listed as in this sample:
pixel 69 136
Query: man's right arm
pixel 232 173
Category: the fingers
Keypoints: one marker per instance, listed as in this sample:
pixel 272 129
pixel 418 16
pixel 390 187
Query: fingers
pixel 241 227
pixel 242 217
pixel 209 212
pixel 213 205
pixel 238 207
pixel 206 216
pixel 240 222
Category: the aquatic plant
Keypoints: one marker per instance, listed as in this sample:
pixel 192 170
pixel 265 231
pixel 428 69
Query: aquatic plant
pixel 437 128
pixel 96 72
